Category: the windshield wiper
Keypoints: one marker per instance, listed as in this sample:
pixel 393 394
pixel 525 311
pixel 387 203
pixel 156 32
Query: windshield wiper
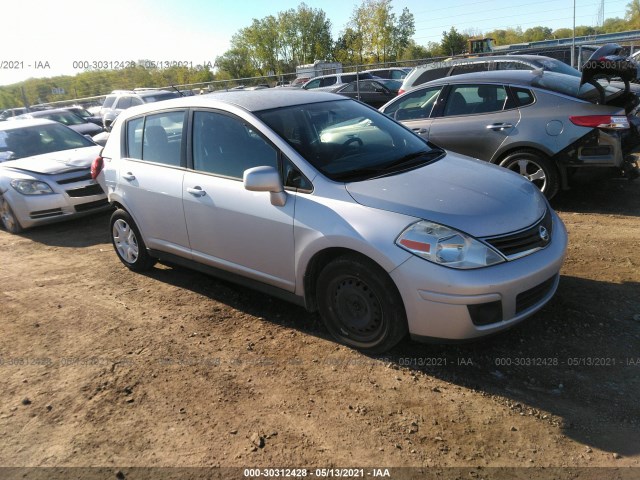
pixel 409 161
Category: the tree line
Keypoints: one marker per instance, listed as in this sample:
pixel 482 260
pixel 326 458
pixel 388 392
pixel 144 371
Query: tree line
pixel 274 45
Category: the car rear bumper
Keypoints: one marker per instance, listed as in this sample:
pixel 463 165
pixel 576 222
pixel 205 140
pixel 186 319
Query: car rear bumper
pixel 449 304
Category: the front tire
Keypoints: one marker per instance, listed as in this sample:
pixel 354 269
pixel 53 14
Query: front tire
pixel 8 218
pixel 536 167
pixel 128 242
pixel 360 305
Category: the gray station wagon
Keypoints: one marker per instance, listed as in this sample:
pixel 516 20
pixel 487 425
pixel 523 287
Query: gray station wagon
pixel 325 202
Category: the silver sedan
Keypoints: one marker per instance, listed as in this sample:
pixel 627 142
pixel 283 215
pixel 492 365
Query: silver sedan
pixel 45 174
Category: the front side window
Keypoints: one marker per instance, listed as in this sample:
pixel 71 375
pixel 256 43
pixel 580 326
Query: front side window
pixel 313 84
pixel 227 146
pixel 470 99
pixel 414 105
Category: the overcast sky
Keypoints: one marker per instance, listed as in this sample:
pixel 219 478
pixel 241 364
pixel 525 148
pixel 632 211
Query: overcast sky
pixel 45 37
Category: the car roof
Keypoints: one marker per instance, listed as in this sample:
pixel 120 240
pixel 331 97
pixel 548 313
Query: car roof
pixel 250 100
pixel 491 58
pixel 40 113
pixel 521 77
pixel 27 122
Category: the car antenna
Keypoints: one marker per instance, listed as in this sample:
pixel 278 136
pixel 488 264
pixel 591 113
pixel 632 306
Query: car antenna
pixel 179 92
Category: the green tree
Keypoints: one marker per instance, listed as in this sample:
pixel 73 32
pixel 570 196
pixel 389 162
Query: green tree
pixel 536 34
pixel 632 15
pixel 453 42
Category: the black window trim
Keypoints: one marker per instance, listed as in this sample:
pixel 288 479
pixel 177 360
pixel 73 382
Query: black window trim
pixel 125 145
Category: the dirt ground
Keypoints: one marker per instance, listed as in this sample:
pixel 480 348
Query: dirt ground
pixel 100 366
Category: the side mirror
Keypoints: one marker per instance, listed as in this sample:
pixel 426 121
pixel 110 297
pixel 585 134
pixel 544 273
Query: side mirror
pixel 265 179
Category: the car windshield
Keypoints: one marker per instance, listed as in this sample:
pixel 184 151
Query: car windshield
pixel 17 143
pixel 346 140
pixel 65 118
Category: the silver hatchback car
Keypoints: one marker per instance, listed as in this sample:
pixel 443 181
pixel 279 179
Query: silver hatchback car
pixel 323 201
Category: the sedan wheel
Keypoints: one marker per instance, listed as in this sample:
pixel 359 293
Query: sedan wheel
pixel 535 167
pixel 128 243
pixel 360 305
pixel 8 218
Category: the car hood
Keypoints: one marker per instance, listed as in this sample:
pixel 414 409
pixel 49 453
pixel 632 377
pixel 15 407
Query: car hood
pixel 56 162
pixel 472 196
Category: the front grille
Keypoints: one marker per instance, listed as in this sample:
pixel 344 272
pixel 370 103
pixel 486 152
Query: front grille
pixel 532 296
pixel 74 179
pixel 83 207
pixel 52 212
pixel 85 191
pixel 526 241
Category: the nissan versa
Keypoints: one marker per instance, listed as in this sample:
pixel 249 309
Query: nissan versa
pixel 321 200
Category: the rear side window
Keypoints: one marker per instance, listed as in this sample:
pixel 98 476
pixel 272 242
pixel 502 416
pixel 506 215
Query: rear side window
pixel 523 96
pixel 431 74
pixel 109 101
pixel 227 146
pixel 327 81
pixel 156 138
pixel 470 68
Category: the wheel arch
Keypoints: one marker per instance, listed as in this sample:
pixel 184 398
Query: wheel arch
pixel 324 257
pixel 514 147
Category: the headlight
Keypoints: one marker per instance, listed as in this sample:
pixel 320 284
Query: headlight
pixel 446 246
pixel 31 187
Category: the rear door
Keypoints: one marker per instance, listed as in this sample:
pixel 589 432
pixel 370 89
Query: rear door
pixel 150 178
pixel 475 120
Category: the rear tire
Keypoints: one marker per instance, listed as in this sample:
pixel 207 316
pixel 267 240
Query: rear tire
pixel 360 305
pixel 128 242
pixel 536 167
pixel 8 218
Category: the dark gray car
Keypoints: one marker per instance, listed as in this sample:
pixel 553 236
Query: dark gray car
pixel 540 124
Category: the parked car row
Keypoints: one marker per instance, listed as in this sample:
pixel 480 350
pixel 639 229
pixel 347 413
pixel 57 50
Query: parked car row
pixel 331 204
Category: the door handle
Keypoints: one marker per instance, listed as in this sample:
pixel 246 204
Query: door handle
pixel 499 126
pixel 129 176
pixel 196 191
pixel 419 130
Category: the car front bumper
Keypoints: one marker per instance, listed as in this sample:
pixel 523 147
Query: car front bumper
pixel 33 210
pixel 449 304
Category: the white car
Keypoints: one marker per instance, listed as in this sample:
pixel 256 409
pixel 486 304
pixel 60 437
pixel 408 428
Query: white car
pixel 45 174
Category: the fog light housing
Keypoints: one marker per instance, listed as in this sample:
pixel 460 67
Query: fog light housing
pixel 485 313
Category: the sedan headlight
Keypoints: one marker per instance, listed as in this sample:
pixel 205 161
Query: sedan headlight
pixel 31 187
pixel 446 246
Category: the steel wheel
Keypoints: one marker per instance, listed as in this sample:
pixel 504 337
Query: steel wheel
pixel 8 218
pixel 360 305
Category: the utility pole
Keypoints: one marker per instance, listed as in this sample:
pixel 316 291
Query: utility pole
pixel 573 40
